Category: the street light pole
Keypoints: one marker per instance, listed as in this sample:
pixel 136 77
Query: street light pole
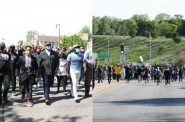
pixel 150 47
pixel 58 25
pixel 108 51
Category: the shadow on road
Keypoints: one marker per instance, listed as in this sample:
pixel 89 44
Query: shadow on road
pixel 150 102
pixel 18 118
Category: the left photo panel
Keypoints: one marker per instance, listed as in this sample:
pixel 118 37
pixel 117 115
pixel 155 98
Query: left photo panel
pixel 45 64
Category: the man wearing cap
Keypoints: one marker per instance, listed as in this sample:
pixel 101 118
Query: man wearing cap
pixel 73 69
pixel 48 64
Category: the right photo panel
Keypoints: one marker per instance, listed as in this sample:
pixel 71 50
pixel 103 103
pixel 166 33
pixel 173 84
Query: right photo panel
pixel 139 74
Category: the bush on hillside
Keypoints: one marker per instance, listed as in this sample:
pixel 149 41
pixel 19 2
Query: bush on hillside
pixel 161 49
pixel 177 39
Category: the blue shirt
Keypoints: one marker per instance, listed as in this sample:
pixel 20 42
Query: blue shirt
pixel 75 61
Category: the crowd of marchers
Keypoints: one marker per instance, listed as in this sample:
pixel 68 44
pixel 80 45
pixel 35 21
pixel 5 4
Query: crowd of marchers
pixel 22 68
pixel 157 73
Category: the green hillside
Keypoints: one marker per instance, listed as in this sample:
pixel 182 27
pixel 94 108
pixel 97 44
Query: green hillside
pixel 163 49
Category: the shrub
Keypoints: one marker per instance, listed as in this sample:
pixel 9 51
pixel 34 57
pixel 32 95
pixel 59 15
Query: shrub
pixel 177 39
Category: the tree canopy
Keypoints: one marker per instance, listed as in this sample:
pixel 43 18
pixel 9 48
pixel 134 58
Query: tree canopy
pixel 140 25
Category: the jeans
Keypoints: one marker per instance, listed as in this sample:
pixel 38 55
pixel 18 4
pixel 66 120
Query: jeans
pixel 47 79
pixel 75 76
pixel 27 87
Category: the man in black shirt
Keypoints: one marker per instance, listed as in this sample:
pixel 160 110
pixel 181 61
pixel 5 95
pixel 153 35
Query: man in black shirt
pixel 48 63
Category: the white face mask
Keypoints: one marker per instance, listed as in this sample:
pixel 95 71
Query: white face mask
pixel 77 50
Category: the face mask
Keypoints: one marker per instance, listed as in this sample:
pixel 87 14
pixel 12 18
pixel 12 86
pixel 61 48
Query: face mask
pixel 82 50
pixel 77 50
pixel 48 48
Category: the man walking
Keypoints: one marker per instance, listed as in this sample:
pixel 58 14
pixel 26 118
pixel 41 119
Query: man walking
pixel 48 64
pixel 74 66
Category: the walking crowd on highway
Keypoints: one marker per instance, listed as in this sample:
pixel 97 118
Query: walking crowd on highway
pixel 35 66
pixel 157 73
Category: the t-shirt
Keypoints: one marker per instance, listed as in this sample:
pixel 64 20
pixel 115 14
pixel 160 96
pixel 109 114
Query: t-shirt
pixel 88 56
pixel 117 70
pixel 75 61
pixel 62 67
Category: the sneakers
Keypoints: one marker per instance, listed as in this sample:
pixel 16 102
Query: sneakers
pixel 77 101
pixel 29 104
pixel 14 94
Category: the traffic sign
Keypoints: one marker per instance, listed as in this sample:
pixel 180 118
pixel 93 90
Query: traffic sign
pixel 126 49
pixel 122 57
pixel 103 56
pixel 141 58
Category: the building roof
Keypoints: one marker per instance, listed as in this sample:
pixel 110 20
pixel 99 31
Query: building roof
pixel 48 38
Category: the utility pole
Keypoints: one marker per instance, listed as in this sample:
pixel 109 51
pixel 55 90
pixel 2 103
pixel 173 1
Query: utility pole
pixel 108 51
pixel 58 25
pixel 150 47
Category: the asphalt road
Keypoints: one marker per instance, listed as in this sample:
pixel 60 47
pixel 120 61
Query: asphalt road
pixel 62 109
pixel 140 102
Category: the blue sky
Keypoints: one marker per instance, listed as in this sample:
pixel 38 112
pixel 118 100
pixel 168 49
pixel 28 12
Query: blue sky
pixel 127 8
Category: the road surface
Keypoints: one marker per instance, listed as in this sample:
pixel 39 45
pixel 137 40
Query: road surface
pixel 140 102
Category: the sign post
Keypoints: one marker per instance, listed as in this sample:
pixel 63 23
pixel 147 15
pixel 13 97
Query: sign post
pixel 103 56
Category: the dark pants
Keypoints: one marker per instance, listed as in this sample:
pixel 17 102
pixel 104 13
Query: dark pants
pixel 109 78
pixel 180 77
pixel 100 78
pixel 88 77
pixel 26 87
pixel 63 80
pixel 1 83
pixel 13 83
pixel 52 80
pixel 47 80
pixel 4 80
pixel 118 77
pixel 93 78
pixel 167 81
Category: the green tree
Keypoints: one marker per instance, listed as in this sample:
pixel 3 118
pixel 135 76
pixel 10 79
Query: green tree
pixel 30 35
pixel 115 23
pixel 104 25
pixel 85 29
pixel 142 23
pixel 162 17
pixel 123 28
pixel 71 40
pixel 95 25
pixel 132 26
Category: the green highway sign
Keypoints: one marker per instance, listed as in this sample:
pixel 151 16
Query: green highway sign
pixel 103 56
